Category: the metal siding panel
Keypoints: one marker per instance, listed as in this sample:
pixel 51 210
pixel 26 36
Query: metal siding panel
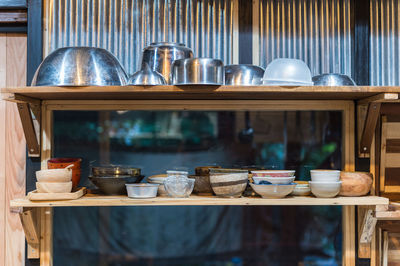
pixel 125 27
pixel 316 31
pixel 384 42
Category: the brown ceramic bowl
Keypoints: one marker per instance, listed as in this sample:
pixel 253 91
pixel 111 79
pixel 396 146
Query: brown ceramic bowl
pixel 57 163
pixel 204 170
pixel 202 185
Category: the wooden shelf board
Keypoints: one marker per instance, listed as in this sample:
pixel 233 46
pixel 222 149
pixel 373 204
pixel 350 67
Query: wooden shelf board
pixel 199 92
pixel 100 200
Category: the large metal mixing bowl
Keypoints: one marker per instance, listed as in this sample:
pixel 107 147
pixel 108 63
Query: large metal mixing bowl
pixel 333 79
pixel 80 66
pixel 243 75
pixel 159 56
pixel 197 71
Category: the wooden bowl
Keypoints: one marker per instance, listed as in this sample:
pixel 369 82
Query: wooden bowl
pixel 355 184
pixel 57 163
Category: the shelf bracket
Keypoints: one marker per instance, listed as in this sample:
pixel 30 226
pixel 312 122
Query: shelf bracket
pixel 30 113
pixel 30 223
pixel 368 114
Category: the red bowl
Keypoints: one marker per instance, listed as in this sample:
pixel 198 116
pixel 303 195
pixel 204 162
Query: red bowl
pixel 57 163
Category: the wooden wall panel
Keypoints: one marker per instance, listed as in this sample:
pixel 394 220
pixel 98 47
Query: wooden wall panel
pixel 12 150
pixel 3 58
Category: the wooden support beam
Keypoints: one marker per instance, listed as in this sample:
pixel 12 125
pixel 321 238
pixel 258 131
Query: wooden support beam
pixel 31 225
pixel 348 234
pixel 369 128
pixel 32 139
pixel 46 236
pixel 366 230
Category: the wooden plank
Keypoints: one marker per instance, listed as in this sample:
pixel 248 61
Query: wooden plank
pixel 393 130
pixel 382 97
pixel 13 16
pixel 16 150
pixel 392 176
pixel 3 77
pixel 369 127
pixel 348 236
pixel 101 200
pixel 392 160
pixel 384 132
pixel 361 116
pixel 364 247
pixel 393 146
pixel 385 248
pixel 349 137
pixel 200 92
pixel 46 236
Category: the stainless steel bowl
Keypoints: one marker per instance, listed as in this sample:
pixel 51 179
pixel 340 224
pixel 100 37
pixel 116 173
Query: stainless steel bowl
pixel 197 71
pixel 243 75
pixel 333 79
pixel 160 56
pixel 147 76
pixel 80 66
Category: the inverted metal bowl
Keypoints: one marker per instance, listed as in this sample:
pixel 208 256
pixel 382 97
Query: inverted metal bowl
pixel 159 57
pixel 80 66
pixel 333 79
pixel 197 71
pixel 147 76
pixel 243 75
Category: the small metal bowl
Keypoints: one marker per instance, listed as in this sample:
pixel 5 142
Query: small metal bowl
pixel 80 66
pixel 197 71
pixel 333 79
pixel 146 76
pixel 243 75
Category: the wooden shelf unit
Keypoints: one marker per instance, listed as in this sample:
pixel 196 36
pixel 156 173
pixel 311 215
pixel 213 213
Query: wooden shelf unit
pixel 100 200
pixel 36 106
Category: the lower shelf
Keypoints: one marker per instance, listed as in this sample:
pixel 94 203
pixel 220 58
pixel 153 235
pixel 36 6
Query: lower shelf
pixel 100 200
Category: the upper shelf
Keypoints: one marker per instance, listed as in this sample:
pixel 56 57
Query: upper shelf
pixel 100 200
pixel 199 92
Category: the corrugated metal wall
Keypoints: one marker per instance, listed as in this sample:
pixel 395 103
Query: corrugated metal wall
pixel 385 42
pixel 125 27
pixel 316 31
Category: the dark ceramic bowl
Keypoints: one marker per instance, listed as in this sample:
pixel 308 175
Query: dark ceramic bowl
pixel 114 186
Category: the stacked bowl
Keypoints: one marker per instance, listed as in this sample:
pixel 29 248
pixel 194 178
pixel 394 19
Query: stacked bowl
pixel 325 183
pixel 54 180
pixel 111 179
pixel 273 183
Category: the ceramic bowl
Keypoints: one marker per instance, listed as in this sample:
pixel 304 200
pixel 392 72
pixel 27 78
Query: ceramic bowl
pixel 274 180
pixel 142 190
pixel 273 173
pixel 54 175
pixel 202 185
pixel 325 189
pixel 112 185
pixel 62 187
pixel 325 175
pixel 228 183
pixel 301 189
pixel 273 190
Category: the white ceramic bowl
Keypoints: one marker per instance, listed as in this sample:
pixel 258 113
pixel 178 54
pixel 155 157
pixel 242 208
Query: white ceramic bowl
pixel 228 183
pixel 325 189
pixel 142 190
pixel 54 175
pixel 325 175
pixel 287 72
pixel 301 190
pixel 61 187
pixel 273 173
pixel 274 180
pixel 273 191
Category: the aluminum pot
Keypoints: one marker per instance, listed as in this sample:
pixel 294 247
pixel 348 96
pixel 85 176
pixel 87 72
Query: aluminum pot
pixel 243 75
pixel 159 56
pixel 197 71
pixel 80 66
pixel 333 79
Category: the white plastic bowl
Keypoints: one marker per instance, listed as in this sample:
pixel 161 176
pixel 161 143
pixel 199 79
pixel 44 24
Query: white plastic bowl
pixel 287 72
pixel 54 175
pixel 274 180
pixel 325 189
pixel 325 175
pixel 62 187
pixel 273 191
